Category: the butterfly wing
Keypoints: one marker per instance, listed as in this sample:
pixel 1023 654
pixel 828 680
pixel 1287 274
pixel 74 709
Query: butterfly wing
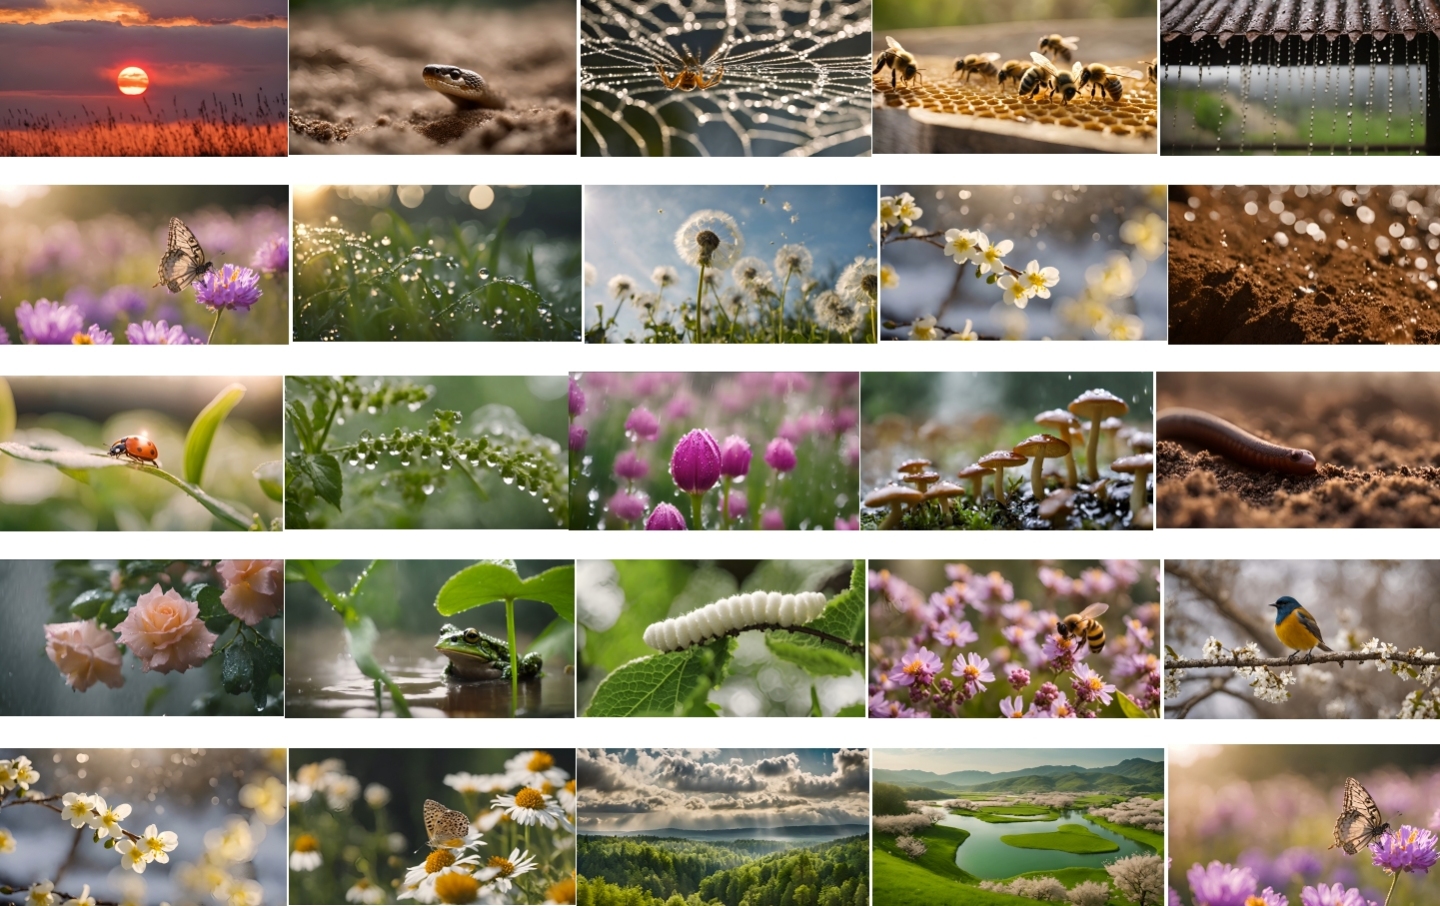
pixel 444 827
pixel 1360 821
pixel 184 259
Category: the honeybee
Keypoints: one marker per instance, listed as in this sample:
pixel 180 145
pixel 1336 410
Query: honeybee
pixel 1084 625
pixel 1149 69
pixel 1099 76
pixel 1067 82
pixel 900 61
pixel 1012 70
pixel 1058 47
pixel 981 64
pixel 1039 75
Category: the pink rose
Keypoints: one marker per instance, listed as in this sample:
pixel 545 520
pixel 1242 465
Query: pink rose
pixel 252 588
pixel 166 633
pixel 85 652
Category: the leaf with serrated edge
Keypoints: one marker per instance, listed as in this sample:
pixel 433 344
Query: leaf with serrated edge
pixel 659 684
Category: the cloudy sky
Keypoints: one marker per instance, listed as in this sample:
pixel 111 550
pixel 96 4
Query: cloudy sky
pixel 694 789
pixel 65 54
pixel 943 761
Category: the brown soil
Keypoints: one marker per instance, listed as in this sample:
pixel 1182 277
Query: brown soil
pixel 355 82
pixel 1231 282
pixel 1374 435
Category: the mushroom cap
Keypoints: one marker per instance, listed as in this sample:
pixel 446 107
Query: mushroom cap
pixel 944 490
pixel 911 466
pixel 1042 445
pixel 1140 462
pixel 920 477
pixel 1059 502
pixel 974 470
pixel 1098 404
pixel 893 493
pixel 1057 418
pixel 1002 458
pixel 1142 442
pixel 1111 424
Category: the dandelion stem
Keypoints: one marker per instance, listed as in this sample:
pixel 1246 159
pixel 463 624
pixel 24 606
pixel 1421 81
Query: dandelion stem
pixel 1393 881
pixel 699 300
pixel 218 313
pixel 784 289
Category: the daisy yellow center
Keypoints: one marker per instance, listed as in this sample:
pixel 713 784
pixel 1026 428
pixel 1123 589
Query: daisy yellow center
pixel 541 761
pixel 363 884
pixel 456 888
pixel 547 787
pixel 305 843
pixel 1095 683
pixel 1254 901
pixel 914 667
pixel 562 891
pixel 438 860
pixel 531 799
pixel 505 866
pixel 570 786
pixel 972 672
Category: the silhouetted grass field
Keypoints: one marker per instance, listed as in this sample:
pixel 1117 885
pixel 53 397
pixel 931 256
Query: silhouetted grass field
pixel 218 130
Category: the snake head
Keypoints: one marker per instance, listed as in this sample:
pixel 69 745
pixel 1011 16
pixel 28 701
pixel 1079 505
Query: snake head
pixel 465 88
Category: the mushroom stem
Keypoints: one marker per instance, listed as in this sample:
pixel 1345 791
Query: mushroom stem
pixel 1092 448
pixel 975 489
pixel 1138 497
pixel 1072 479
pixel 1000 485
pixel 1037 481
pixel 893 519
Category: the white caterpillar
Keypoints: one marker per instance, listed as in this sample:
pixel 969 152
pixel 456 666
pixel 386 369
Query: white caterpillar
pixel 758 608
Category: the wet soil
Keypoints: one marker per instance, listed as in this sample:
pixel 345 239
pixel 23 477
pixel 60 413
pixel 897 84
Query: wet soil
pixel 1376 438
pixel 355 83
pixel 1233 281
pixel 1103 506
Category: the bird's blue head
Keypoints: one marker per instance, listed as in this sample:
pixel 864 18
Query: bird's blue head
pixel 1284 607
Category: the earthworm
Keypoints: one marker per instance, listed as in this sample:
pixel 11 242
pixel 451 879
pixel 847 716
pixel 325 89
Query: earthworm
pixel 1236 444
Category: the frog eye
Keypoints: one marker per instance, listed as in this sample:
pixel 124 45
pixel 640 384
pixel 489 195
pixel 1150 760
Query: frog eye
pixel 472 636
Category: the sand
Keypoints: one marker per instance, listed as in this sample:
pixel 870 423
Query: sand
pixel 1230 282
pixel 355 82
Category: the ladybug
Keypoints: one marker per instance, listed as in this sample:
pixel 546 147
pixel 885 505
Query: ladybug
pixel 136 449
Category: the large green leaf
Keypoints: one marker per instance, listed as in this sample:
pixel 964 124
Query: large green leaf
pixel 498 580
pixel 843 617
pixel 203 428
pixel 662 685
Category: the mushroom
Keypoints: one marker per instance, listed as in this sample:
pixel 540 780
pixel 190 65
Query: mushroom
pixel 1139 465
pixel 1110 430
pixel 976 474
pixel 998 462
pixel 894 496
pixel 1058 505
pixel 1039 447
pixel 1096 405
pixel 912 466
pixel 1142 442
pixel 921 480
pixel 944 491
pixel 1064 424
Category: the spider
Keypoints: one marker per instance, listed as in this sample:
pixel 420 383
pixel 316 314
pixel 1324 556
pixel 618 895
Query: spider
pixel 691 76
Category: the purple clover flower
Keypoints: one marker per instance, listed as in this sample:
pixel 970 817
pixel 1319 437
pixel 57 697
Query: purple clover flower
pixel 955 635
pixel 1333 895
pixel 627 507
pixel 1221 884
pixel 1017 676
pixel 578 436
pixel 642 423
pixel 273 255
pixel 1046 695
pixel 916 667
pixel 974 670
pixel 665 518
pixel 735 457
pixel 780 455
pixel 159 334
pixel 1408 849
pixel 577 399
pixel 695 464
pixel 233 289
pixel 93 336
pixel 772 520
pixel 48 323
pixel 629 466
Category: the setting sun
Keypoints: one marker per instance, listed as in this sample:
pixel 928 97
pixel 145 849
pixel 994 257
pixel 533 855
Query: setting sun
pixel 133 80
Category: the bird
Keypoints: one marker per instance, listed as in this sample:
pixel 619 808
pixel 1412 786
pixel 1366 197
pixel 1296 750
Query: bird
pixel 1297 629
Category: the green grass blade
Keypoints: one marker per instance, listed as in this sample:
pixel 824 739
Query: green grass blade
pixel 203 428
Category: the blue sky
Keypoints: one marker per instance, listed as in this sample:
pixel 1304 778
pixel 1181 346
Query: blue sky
pixel 631 229
pixel 943 761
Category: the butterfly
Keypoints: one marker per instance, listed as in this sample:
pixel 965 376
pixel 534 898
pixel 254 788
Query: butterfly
pixel 445 827
pixel 184 260
pixel 1359 822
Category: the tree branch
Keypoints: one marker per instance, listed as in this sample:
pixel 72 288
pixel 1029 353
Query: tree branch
pixel 1334 657
pixel 1225 605
pixel 60 896
pixel 1183 708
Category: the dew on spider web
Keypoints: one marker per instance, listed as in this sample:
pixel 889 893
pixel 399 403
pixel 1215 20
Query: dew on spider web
pixel 795 79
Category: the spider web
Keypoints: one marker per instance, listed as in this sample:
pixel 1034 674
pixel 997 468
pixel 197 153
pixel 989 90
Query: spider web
pixel 796 77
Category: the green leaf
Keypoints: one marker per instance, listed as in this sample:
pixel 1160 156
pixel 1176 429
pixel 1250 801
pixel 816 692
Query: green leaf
pixel 360 634
pixel 203 428
pixel 660 685
pixel 269 659
pixel 212 610
pixel 1127 705
pixel 153 698
pixel 815 656
pixel 271 476
pixel 324 471
pixel 295 515
pixel 843 617
pixel 498 580
pixel 87 604
pixel 237 669
pixel 855 710
pixel 530 267
pixel 300 423
pixel 815 710
pixel 7 410
pixel 557 639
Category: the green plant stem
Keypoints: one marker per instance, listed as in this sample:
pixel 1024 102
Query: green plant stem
pixel 218 313
pixel 784 291
pixel 514 660
pixel 695 500
pixel 331 596
pixel 725 504
pixel 1393 881
pixel 699 299
pixel 217 507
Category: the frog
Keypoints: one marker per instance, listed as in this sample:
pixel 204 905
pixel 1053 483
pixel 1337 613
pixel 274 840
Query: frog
pixel 476 656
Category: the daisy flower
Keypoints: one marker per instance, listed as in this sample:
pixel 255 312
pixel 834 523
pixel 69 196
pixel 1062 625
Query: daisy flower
pixel 530 806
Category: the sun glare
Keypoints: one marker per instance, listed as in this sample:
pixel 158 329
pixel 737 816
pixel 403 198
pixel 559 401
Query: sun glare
pixel 133 80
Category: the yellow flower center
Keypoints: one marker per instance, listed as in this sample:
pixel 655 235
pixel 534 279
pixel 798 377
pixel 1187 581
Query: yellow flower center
pixel 456 888
pixel 570 786
pixel 972 672
pixel 531 799
pixel 914 667
pixel 505 866
pixel 82 339
pixel 363 884
pixel 438 860
pixel 1095 683
pixel 1254 901
pixel 562 891
pixel 547 787
pixel 541 761
pixel 305 843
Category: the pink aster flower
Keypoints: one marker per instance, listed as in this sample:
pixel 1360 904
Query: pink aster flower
pixel 881 707
pixel 273 255
pixel 974 671
pixel 165 632
pixel 1012 707
pixel 1332 895
pixel 232 289
pixel 955 635
pixel 1408 849
pixel 642 424
pixel 1061 653
pixel 49 323
pixel 1089 685
pixel 85 653
pixel 916 667
pixel 253 588
pixel 159 334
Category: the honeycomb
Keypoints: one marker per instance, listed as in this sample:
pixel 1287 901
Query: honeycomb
pixel 1133 116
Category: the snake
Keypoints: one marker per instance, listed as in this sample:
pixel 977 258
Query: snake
pixel 464 88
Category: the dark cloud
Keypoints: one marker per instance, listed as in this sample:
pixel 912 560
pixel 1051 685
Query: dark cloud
pixel 601 771
pixel 149 13
pixel 851 775
pixel 705 777
pixel 778 766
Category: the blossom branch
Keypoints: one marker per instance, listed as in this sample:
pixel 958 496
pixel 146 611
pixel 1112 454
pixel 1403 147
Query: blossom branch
pixel 1418 660
pixel 61 896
